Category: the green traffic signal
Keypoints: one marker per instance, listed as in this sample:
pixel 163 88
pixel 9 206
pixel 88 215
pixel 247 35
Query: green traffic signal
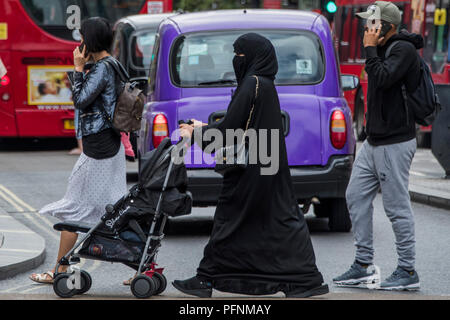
pixel 331 7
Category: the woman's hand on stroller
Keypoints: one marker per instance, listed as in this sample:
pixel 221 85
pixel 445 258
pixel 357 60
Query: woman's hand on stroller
pixel 186 130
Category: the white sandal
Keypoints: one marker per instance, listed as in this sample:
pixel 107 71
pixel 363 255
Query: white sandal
pixel 43 277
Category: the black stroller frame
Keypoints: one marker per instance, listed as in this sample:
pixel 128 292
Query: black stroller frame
pixel 149 280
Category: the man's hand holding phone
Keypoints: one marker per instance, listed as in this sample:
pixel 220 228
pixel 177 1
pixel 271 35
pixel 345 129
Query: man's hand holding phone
pixel 372 37
pixel 79 57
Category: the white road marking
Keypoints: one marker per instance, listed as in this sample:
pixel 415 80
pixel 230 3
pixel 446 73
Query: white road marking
pixel 418 173
pixel 19 205
pixel 11 202
pixel 16 198
pixel 15 201
pixel 35 287
pixel 19 250
pixel 15 231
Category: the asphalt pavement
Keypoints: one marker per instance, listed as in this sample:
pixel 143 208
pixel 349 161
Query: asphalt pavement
pixel 31 179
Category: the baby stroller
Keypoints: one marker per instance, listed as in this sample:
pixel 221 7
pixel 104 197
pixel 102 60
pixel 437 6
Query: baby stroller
pixel 131 230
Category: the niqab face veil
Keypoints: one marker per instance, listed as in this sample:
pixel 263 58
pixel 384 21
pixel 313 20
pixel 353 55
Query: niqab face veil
pixel 260 58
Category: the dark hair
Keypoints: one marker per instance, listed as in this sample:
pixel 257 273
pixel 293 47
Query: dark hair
pixel 97 34
pixel 41 88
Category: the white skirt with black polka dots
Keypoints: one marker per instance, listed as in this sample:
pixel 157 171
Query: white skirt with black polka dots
pixel 92 185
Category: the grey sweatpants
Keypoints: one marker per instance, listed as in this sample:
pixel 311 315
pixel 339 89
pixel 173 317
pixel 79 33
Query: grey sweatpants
pixel 386 167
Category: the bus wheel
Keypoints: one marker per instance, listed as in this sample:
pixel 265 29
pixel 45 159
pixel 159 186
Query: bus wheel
pixel 359 116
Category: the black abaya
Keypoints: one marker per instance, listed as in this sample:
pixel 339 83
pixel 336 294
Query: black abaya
pixel 260 243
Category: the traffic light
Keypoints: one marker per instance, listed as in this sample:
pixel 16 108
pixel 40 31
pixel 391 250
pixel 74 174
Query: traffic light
pixel 331 7
pixel 328 8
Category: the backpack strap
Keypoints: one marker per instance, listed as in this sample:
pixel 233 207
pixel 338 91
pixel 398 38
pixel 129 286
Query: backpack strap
pixel 389 49
pixel 118 68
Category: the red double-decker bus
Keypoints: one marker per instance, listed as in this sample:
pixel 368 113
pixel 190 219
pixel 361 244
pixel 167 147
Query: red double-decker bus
pixel 36 49
pixel 418 17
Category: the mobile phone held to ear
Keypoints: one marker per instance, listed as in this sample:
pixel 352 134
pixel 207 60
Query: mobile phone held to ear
pixel 81 48
pixel 385 28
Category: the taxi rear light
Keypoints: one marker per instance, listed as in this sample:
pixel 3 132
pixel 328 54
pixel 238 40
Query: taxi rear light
pixel 338 129
pixel 160 129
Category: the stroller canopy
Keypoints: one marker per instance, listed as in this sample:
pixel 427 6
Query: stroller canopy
pixel 154 165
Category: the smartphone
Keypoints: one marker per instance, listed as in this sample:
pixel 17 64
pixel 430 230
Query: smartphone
pixel 385 28
pixel 81 48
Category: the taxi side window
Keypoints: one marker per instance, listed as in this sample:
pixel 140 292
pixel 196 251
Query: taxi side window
pixel 154 63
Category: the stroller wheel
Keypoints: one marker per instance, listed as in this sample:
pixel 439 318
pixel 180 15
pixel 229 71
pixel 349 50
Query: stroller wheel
pixel 86 282
pixel 64 285
pixel 143 286
pixel 160 281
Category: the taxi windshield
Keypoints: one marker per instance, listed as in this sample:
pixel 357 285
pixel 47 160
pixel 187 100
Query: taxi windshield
pixel 141 49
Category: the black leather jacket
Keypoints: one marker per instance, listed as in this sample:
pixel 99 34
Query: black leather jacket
pixel 91 91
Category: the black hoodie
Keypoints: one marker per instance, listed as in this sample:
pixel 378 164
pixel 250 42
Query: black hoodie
pixel 386 118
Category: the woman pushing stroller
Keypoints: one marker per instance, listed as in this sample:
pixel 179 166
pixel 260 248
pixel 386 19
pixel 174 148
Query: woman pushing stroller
pixel 260 243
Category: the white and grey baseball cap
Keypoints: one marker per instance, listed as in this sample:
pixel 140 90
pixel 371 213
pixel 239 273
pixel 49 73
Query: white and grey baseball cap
pixel 382 10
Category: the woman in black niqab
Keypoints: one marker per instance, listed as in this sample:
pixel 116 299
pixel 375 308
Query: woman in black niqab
pixel 260 243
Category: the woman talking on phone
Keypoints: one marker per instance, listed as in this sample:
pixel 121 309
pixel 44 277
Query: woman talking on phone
pixel 99 176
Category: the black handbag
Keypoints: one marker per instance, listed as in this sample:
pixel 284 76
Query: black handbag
pixel 235 157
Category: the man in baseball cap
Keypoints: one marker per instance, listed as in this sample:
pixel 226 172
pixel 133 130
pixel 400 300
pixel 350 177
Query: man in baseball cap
pixel 384 160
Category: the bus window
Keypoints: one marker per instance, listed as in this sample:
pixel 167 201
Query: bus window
pixel 359 39
pixel 51 15
pixel 435 52
pixel 49 12
pixel 344 34
pixel 354 41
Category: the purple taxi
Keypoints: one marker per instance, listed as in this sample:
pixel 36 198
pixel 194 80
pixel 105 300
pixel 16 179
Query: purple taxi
pixel 192 77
